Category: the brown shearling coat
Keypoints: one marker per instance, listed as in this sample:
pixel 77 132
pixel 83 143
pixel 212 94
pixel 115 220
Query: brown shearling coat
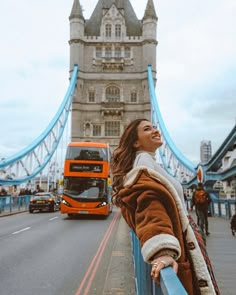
pixel 152 213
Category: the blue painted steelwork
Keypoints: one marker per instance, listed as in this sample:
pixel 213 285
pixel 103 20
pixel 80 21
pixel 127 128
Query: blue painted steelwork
pixel 157 118
pixel 170 284
pixel 52 133
pixel 228 144
pixel 169 152
pixel 13 204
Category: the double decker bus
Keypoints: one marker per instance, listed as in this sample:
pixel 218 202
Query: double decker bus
pixel 87 182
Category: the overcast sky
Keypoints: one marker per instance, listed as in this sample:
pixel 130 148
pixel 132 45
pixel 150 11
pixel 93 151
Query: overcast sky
pixel 196 68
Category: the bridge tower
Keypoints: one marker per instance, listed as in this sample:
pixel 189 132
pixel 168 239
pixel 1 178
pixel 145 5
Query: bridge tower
pixel 112 49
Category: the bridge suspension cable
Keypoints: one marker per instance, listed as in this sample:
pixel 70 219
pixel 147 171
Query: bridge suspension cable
pixel 174 162
pixel 29 162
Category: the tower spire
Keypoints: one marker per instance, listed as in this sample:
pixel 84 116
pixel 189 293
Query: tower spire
pixel 76 10
pixel 150 10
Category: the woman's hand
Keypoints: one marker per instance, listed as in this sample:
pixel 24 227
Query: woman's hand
pixel 160 263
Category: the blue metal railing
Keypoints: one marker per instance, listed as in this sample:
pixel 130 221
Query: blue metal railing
pixel 219 207
pixel 9 203
pixel 169 282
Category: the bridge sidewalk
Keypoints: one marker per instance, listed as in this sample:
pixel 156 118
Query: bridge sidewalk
pixel 221 247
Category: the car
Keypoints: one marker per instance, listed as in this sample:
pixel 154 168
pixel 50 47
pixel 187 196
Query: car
pixel 44 201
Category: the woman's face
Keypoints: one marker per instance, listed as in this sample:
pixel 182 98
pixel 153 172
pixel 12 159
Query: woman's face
pixel 149 138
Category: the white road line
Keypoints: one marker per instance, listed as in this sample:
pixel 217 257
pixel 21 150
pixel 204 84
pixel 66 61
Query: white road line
pixel 19 231
pixel 53 218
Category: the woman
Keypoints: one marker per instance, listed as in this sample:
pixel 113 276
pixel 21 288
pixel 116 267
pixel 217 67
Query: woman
pixel 152 203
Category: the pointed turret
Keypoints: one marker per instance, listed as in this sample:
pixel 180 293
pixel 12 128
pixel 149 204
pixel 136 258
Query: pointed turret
pixel 150 11
pixel 77 22
pixel 149 35
pixel 76 11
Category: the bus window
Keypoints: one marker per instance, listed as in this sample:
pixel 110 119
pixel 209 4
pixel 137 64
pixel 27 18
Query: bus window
pixel 85 153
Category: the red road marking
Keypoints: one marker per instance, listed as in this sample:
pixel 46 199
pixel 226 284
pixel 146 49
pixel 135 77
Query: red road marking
pixel 96 259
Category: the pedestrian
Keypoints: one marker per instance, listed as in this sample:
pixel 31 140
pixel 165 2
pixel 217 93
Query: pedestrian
pixel 152 203
pixel 201 200
pixel 233 224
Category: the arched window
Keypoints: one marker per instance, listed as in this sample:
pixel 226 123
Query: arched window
pixel 108 30
pixel 91 95
pixel 113 94
pixel 117 30
pixel 87 129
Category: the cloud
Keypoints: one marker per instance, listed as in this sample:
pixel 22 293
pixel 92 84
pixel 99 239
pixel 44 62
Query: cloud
pixel 196 64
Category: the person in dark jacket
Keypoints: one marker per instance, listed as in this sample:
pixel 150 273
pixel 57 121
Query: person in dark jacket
pixel 202 206
pixel 233 224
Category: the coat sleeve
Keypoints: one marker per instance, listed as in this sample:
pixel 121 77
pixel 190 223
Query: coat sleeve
pixel 153 226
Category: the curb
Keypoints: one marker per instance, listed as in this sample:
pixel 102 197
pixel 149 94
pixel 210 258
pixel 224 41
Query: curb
pixel 12 213
pixel 120 277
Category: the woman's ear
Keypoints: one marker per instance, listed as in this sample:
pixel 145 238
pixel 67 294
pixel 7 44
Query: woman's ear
pixel 136 144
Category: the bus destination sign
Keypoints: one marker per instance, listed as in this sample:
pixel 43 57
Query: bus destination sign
pixel 79 167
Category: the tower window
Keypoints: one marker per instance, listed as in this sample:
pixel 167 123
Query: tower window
pixel 133 96
pixel 108 30
pixel 98 52
pixel 113 94
pixel 97 130
pixel 117 30
pixel 91 96
pixel 112 128
pixel 127 52
pixel 117 52
pixel 108 52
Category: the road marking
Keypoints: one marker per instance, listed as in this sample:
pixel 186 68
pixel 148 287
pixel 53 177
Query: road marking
pixel 53 218
pixel 19 231
pixel 92 269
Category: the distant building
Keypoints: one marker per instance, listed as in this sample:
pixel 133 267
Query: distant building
pixel 205 151
pixel 113 50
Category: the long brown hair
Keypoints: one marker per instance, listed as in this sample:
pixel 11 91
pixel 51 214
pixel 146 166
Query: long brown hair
pixel 123 157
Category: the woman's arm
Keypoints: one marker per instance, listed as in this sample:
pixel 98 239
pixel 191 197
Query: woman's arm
pixel 153 227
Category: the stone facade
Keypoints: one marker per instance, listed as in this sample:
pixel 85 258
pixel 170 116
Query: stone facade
pixel 112 49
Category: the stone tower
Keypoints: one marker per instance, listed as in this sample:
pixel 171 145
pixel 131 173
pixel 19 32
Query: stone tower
pixel 112 49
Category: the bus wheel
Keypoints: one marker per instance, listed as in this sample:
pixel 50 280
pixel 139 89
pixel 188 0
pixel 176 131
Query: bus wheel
pixel 70 215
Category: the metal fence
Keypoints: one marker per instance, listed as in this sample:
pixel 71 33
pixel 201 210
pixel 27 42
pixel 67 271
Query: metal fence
pixel 219 207
pixel 170 283
pixel 9 204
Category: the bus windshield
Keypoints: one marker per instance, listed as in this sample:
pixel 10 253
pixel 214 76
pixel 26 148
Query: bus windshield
pixel 86 153
pixel 89 189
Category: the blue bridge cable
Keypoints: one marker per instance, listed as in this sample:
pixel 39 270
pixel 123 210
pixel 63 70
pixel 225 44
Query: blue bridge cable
pixel 67 101
pixel 181 158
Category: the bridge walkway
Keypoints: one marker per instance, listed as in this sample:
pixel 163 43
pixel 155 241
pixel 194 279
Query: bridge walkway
pixel 221 247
